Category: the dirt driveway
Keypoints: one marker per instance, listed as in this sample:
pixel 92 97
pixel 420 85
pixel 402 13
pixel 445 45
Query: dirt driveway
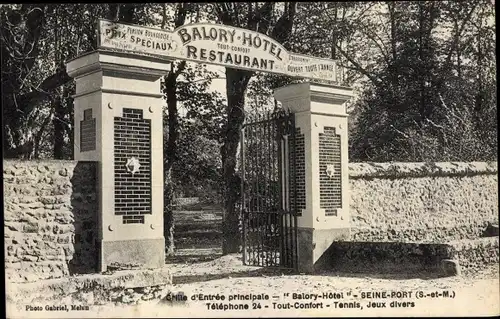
pixel 334 294
pixel 199 288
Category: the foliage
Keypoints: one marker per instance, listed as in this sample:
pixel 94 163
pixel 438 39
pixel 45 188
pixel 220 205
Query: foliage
pixel 197 168
pixel 199 173
pixel 425 73
pixel 274 20
pixel 430 104
pixel 37 106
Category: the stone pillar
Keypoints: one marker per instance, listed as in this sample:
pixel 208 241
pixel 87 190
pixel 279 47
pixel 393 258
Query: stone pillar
pixel 321 166
pixel 118 123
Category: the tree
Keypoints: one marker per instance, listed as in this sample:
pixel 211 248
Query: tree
pixel 21 29
pixel 36 101
pixel 422 110
pixel 418 67
pixel 262 18
pixel 199 171
pixel 170 91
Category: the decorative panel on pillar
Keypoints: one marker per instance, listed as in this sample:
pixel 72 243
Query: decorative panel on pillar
pixel 298 172
pixel 87 132
pixel 330 171
pixel 132 154
pixel 321 123
pixel 118 124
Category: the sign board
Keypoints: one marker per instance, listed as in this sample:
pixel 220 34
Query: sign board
pixel 215 44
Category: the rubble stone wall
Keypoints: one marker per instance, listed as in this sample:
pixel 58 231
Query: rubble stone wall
pixel 50 219
pixel 50 208
pixel 428 202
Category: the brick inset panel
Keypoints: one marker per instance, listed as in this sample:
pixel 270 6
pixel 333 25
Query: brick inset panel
pixel 135 219
pixel 298 172
pixel 330 187
pixel 87 132
pixel 132 191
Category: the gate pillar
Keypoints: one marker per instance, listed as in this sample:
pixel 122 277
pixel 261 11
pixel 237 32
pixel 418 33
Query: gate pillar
pixel 118 124
pixel 321 166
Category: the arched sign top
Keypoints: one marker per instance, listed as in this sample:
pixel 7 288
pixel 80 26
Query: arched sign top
pixel 216 44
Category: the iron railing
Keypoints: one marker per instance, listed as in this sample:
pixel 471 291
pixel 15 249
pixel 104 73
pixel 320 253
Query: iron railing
pixel 268 184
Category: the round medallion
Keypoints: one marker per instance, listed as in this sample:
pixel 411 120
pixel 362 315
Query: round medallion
pixel 330 170
pixel 133 165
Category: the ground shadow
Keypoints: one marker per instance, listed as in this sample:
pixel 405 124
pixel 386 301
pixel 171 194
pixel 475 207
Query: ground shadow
pixel 384 260
pixel 260 272
pixel 378 274
pixel 191 259
pixel 363 269
pixel 84 209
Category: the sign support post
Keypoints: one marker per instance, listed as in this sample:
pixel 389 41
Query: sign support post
pixel 118 123
pixel 321 165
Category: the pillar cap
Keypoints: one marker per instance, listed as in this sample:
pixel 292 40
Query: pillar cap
pixel 308 92
pixel 123 62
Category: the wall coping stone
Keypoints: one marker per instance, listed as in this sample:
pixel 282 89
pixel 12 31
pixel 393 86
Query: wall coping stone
pixel 364 169
pixel 402 170
pixel 43 161
pixel 43 165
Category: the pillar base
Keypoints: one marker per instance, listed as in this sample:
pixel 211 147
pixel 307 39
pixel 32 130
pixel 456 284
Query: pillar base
pixel 143 253
pixel 313 243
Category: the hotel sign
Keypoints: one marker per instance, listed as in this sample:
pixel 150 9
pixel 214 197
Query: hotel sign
pixel 215 44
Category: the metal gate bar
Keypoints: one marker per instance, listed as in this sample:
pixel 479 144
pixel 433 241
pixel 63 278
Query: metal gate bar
pixel 269 221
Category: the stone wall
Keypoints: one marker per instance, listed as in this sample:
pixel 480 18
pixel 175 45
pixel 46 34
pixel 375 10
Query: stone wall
pixel 49 219
pixel 50 210
pixel 428 202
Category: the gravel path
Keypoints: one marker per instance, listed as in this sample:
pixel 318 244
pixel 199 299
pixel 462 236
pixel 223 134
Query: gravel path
pixel 332 294
pixel 476 294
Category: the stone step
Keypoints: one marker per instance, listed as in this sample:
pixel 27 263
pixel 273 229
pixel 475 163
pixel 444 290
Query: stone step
pixel 92 288
pixel 473 255
pixel 434 259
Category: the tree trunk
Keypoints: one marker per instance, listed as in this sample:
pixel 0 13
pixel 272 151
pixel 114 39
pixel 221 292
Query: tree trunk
pixel 170 156
pixel 171 142
pixel 68 90
pixel 236 83
pixel 392 17
pixel 334 34
pixel 168 212
pixel 58 128
pixel 421 73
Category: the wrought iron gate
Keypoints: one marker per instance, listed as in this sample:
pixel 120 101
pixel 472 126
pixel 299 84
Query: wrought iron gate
pixel 267 150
